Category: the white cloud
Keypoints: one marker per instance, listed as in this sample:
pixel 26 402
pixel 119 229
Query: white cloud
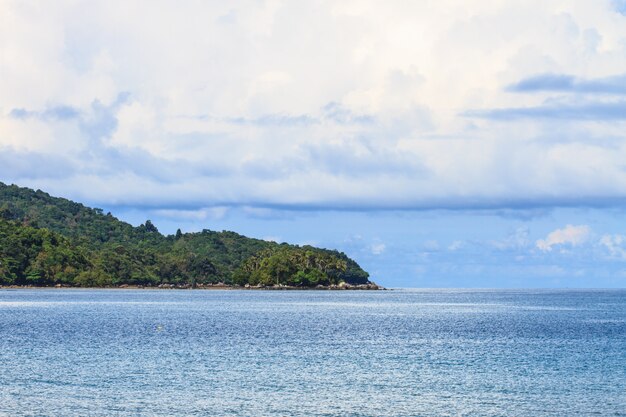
pixel 516 240
pixel 569 235
pixel 614 245
pixel 351 104
pixel 456 245
pixel 377 248
pixel 213 213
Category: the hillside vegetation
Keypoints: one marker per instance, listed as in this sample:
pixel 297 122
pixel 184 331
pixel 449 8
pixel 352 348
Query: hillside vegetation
pixel 46 240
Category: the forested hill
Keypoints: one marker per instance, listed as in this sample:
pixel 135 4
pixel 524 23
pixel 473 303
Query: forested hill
pixel 46 240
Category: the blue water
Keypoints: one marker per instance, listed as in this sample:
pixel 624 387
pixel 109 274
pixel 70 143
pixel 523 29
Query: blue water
pixel 292 353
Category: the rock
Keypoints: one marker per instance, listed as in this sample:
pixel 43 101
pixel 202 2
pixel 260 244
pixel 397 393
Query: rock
pixel 166 286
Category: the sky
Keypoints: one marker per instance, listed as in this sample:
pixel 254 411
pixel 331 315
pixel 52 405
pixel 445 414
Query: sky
pixel 439 143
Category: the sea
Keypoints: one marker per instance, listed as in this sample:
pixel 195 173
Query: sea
pixel 434 352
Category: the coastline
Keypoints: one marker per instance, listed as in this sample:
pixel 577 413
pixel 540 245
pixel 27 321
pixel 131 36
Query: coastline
pixel 219 287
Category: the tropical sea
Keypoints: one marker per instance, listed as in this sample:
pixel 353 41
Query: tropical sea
pixel 312 353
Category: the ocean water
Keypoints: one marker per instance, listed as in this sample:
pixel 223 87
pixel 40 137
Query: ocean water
pixel 312 353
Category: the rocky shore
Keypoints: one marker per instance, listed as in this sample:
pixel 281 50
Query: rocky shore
pixel 342 286
pixel 218 286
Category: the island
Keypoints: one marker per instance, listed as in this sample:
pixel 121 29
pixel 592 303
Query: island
pixel 48 241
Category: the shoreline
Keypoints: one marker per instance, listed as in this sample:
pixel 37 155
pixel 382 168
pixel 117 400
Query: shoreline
pixel 210 287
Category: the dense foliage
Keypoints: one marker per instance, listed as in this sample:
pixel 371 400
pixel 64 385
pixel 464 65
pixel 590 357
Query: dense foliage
pixel 46 240
pixel 299 266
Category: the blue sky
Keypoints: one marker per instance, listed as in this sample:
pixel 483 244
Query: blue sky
pixel 469 144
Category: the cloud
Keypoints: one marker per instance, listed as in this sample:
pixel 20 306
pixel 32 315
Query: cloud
pixel 377 248
pixel 124 113
pixel 570 84
pixel 620 6
pixel 596 111
pixel 431 245
pixel 338 113
pixel 101 121
pixel 213 213
pixel 569 235
pixel 33 165
pixel 456 245
pixel 366 247
pixel 517 240
pixel 613 243
pixel 50 113
pixel 275 120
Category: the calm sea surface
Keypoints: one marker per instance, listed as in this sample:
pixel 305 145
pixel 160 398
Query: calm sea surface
pixel 306 353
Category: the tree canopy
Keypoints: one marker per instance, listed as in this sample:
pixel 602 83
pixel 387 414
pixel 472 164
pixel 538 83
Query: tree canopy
pixel 46 240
